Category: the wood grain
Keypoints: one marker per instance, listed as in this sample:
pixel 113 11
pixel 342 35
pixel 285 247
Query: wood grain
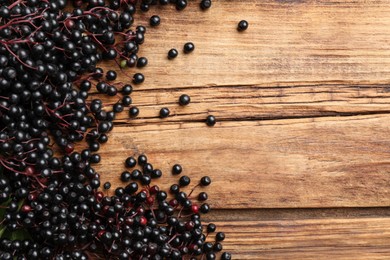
pixel 300 154
pixel 315 162
pixel 244 103
pixel 308 239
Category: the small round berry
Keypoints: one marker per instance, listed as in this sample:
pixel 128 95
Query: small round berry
pixel 155 20
pixel 107 185
pixel 211 228
pixel 125 176
pixel 217 247
pixel 127 89
pixel 181 4
pixel 189 47
pixel 143 221
pixel 127 100
pixel 220 236
pixel 184 181
pixel 111 75
pixel 156 174
pixel 141 29
pixel 117 108
pixel 131 62
pixel 210 120
pixel 205 4
pixel 210 256
pixel 226 256
pixel 174 189
pixel 123 64
pixel 184 100
pixel 138 78
pixel 205 208
pixel 203 196
pixel 177 169
pixel 164 112
pixel 142 159
pixel 134 111
pixel 130 162
pixel 242 25
pixel 195 209
pixel 136 174
pixel 144 7
pixel 142 62
pixel 205 181
pixel 172 53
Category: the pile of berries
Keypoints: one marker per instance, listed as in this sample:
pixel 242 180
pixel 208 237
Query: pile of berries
pixel 51 200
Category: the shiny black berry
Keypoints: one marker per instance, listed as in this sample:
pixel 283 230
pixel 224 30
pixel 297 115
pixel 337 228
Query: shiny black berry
pixel 138 78
pixel 210 120
pixel 172 53
pixel 184 100
pixel 242 25
pixel 164 112
pixel 188 47
pixel 205 4
pixel 154 20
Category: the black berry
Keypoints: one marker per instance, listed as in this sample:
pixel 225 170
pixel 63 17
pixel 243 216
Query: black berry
pixel 172 53
pixel 242 25
pixel 188 47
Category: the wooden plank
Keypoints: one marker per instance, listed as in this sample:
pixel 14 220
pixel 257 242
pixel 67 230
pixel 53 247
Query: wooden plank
pixel 257 102
pixel 287 42
pixel 344 238
pixel 315 162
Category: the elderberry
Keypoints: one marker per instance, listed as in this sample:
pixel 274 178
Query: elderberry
pixel 188 47
pixel 172 53
pixel 242 25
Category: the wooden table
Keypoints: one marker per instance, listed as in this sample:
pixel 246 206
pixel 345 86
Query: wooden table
pixel 300 156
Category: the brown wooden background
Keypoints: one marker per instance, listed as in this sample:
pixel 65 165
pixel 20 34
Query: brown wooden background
pixel 300 157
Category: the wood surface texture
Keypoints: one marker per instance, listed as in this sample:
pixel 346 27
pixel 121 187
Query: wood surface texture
pixel 300 156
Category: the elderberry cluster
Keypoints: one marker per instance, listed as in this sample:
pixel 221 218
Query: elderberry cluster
pixel 51 205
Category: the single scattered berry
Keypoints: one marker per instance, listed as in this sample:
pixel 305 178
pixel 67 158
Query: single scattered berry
pixel 107 185
pixel 164 112
pixel 142 62
pixel 210 120
pixel 205 4
pixel 154 20
pixel 172 53
pixel 184 100
pixel 242 25
pixel 220 236
pixel 138 78
pixel 177 169
pixel 133 112
pixel 211 228
pixel 205 181
pixel 205 208
pixel 189 47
